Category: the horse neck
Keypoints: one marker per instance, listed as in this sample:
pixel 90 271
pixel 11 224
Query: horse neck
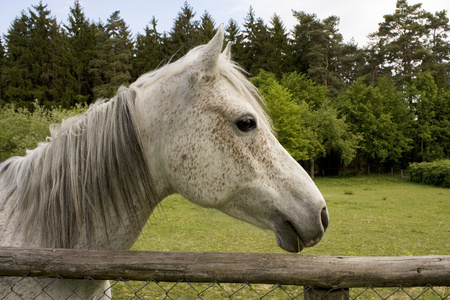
pixel 90 187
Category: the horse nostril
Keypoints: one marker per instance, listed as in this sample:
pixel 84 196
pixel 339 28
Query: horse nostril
pixel 324 216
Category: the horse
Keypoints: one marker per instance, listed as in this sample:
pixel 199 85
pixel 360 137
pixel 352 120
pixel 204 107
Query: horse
pixel 196 127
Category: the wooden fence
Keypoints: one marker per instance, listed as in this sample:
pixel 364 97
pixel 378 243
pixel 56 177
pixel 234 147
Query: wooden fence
pixel 321 272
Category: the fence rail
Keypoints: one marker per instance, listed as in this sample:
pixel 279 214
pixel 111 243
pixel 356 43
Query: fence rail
pixel 326 272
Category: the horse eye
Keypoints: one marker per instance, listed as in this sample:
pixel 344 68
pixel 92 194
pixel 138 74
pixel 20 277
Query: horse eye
pixel 246 124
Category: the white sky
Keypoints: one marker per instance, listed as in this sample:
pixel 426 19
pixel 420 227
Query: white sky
pixel 358 18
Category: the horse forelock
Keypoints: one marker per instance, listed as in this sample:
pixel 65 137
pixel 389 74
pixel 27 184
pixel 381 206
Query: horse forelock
pixel 91 166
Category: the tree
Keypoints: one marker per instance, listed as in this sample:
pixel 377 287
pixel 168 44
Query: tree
pixel 233 34
pixel 412 46
pixel 184 34
pixel 305 90
pixel 437 63
pixel 207 28
pixel 280 48
pixel 2 61
pixel 317 48
pixel 99 64
pixel 430 106
pixel 400 42
pixel 150 51
pixel 256 41
pixel 45 41
pixel 113 56
pixel 285 114
pixel 248 32
pixel 33 67
pixel 353 63
pixel 326 132
pixel 381 117
pixel 18 83
pixel 80 34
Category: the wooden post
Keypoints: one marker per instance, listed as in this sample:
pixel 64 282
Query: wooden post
pixel 318 293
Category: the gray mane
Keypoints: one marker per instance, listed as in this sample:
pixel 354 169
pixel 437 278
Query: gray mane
pixel 92 162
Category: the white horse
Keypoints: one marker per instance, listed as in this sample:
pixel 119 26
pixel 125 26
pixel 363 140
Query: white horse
pixel 196 127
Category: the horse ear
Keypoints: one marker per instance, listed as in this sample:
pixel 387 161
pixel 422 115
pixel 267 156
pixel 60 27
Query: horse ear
pixel 209 54
pixel 227 51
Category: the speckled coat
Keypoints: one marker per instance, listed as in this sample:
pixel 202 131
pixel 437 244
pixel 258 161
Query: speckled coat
pixel 195 127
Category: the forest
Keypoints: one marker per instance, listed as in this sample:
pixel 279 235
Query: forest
pixel 336 106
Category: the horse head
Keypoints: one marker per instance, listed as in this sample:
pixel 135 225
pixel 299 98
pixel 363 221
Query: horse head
pixel 207 137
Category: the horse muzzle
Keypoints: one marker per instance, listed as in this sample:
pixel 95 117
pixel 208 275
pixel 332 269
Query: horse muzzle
pixel 294 236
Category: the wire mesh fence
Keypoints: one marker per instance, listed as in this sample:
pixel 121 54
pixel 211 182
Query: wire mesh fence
pixel 215 290
pixel 121 289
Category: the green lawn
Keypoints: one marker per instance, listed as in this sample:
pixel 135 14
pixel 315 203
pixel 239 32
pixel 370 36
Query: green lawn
pixel 369 215
pixel 377 215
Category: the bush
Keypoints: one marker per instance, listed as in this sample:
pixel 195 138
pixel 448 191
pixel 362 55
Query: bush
pixel 434 173
pixel 22 129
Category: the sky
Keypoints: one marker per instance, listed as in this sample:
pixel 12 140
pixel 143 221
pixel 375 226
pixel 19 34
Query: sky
pixel 358 18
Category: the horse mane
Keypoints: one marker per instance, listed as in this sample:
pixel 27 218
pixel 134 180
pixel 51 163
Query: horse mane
pixel 66 184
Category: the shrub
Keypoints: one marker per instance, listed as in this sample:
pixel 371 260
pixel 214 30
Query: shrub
pixel 434 173
pixel 22 129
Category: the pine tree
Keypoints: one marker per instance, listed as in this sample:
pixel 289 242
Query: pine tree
pixel 2 61
pixel 207 28
pixel 250 51
pixel 45 41
pixel 353 63
pixel 437 62
pixel 256 44
pixel 18 83
pixel 112 65
pixel 33 68
pixel 99 64
pixel 279 46
pixel 150 52
pixel 318 48
pixel 399 42
pixel 184 34
pixel 80 33
pixel 233 34
pixel 121 45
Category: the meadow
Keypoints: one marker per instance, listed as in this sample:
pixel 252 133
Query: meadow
pixel 378 215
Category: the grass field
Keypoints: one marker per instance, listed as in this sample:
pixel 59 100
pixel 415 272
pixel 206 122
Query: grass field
pixel 378 215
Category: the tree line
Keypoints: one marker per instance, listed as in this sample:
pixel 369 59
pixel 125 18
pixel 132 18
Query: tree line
pixel 334 105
